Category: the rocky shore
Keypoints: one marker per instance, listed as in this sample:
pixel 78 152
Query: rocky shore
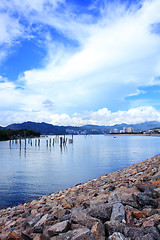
pixel 121 205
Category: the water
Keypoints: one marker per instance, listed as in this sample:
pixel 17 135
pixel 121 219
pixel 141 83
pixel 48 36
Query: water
pixel 32 171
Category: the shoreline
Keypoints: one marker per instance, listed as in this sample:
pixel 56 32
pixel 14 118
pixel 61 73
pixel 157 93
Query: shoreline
pixel 124 204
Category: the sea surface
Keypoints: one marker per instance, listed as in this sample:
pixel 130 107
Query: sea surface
pixel 28 170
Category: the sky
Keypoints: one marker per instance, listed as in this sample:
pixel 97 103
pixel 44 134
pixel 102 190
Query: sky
pixel 70 62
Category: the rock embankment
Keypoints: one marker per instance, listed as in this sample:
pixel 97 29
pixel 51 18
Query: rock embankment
pixel 121 205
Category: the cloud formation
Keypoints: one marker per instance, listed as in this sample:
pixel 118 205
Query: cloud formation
pixel 95 61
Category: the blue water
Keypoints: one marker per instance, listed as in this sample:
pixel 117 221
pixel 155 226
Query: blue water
pixel 27 172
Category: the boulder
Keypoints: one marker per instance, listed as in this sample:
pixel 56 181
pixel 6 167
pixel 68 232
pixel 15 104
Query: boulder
pixel 98 231
pixel 118 212
pixel 78 234
pixel 144 200
pixel 102 212
pixel 58 228
pixel 80 217
pixel 114 226
pixel 117 236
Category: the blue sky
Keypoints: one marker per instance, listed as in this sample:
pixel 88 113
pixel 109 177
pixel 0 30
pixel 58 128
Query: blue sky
pixel 70 62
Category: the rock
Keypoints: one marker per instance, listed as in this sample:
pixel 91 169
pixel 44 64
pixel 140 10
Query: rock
pixel 42 221
pixel 80 217
pixel 35 220
pixel 137 214
pixel 102 212
pixel 114 226
pixel 133 232
pixel 78 234
pixel 58 228
pixel 117 236
pixel 118 212
pixel 157 190
pixel 98 231
pixel 145 186
pixel 129 216
pixel 143 200
pixel 153 232
pixel 14 236
pixel 124 195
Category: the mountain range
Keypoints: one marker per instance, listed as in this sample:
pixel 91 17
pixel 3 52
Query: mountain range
pixel 49 129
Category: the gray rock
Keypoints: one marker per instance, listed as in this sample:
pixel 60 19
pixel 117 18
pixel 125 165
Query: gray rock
pixel 117 236
pixel 98 231
pixel 145 237
pixel 125 196
pixel 80 217
pixel 157 190
pixel 35 220
pixel 41 221
pixel 143 200
pixel 118 212
pixel 102 212
pixel 153 232
pixel 58 228
pixel 78 234
pixel 114 226
pixel 133 233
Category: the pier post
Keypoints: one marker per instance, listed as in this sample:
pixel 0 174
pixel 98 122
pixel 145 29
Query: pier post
pixel 61 140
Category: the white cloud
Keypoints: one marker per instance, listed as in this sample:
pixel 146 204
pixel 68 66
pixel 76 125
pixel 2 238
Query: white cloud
pixel 117 53
pixel 108 118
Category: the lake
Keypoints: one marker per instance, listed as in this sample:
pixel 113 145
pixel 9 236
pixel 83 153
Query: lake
pixel 29 171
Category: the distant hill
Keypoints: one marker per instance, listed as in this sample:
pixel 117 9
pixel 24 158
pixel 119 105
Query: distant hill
pixel 49 129
pixel 6 134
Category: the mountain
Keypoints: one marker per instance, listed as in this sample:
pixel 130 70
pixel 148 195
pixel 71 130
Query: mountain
pixel 49 129
pixel 43 128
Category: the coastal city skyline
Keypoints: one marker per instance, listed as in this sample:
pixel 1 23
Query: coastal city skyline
pixel 69 62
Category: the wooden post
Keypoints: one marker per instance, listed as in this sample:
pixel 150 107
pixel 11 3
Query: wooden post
pixel 53 141
pixel 39 142
pixel 46 143
pixel 20 141
pixel 50 142
pixel 61 140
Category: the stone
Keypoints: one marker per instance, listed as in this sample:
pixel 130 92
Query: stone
pixel 124 195
pixel 42 221
pixel 133 232
pixel 117 236
pixel 118 212
pixel 98 231
pixel 14 236
pixel 153 232
pixel 157 190
pixel 58 228
pixel 78 234
pixel 143 200
pixel 80 217
pixel 102 212
pixel 137 214
pixel 35 220
pixel 114 226
pixel 145 186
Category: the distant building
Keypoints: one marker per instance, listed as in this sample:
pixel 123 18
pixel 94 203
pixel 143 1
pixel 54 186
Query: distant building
pixel 115 130
pixel 124 129
pixel 129 130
